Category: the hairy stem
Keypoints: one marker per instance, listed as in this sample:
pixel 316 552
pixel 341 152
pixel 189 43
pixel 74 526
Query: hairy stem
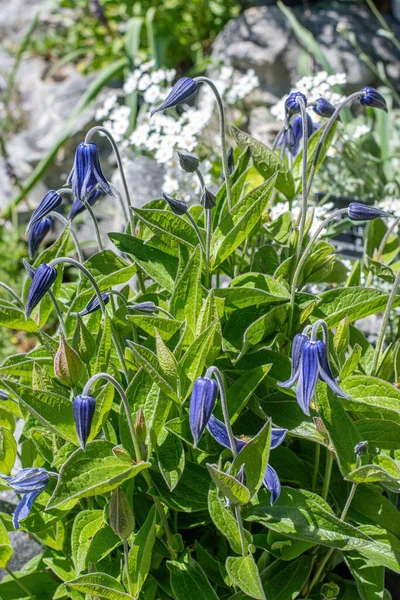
pixel 384 324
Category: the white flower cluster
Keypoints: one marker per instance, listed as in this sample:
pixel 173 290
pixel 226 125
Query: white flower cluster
pixel 164 134
pixel 317 86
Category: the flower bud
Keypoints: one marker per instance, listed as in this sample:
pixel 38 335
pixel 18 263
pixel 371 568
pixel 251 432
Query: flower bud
pixel 324 108
pixel 49 202
pixel 207 199
pixel 94 304
pixel 189 162
pixel 83 407
pixel 292 105
pixel 68 367
pixel 370 97
pixel 202 402
pixel 358 211
pixel 183 90
pixel 37 233
pixel 42 280
pixel 178 207
pixel 4 395
pixel 361 448
pixel 120 514
pixel 87 173
pixel 145 307
pixel 140 426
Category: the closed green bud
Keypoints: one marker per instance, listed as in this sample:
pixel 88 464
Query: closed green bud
pixel 341 338
pixel 330 591
pixel 189 162
pixel 120 514
pixel 122 454
pixel 140 426
pixel 83 341
pixel 68 367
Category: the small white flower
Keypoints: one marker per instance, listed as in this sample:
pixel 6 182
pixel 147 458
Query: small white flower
pixel 164 154
pixel 170 184
pixel 144 82
pixel 153 94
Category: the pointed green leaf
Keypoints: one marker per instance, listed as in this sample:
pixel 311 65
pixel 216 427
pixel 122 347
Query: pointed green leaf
pixel 254 456
pixel 99 585
pixel 224 520
pixel 244 573
pixel 86 525
pixel 141 552
pixel 188 580
pixel 235 491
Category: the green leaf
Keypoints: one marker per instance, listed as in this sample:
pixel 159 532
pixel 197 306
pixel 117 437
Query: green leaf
pixel 167 360
pixel 13 317
pixel 108 269
pixel 52 410
pixel 384 548
pixel 370 578
pixel 353 302
pixel 186 299
pixel 266 162
pixel 235 491
pixel 95 471
pixel 6 550
pixel 382 271
pixel 99 585
pixel 148 360
pixel 142 393
pixel 120 514
pixel 305 516
pixel 141 552
pixel 86 525
pixel 158 265
pixel 379 433
pixel 224 520
pixel 242 297
pixel 236 226
pixel 371 392
pixel 104 400
pixel 171 460
pixel 244 573
pixel 188 580
pixel 370 507
pixel 384 470
pixel 342 431
pixel 254 456
pixel 170 228
pixel 351 362
pixel 284 581
pixel 195 358
pixel 190 495
pixel 165 326
pixel 264 326
pixel 8 450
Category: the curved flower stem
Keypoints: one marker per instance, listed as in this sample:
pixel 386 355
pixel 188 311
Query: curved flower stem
pixel 208 226
pixel 84 270
pixel 136 445
pixel 342 517
pixel 222 134
pixel 314 331
pixel 118 195
pixel 13 294
pixel 197 230
pixel 59 313
pixel 99 129
pixel 382 245
pixel 324 135
pixel 91 213
pixel 165 312
pixel 385 321
pixel 65 222
pixel 218 376
pixel 305 255
pixel 303 213
pixel 277 138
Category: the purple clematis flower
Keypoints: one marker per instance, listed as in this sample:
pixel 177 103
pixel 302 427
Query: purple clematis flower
pixel 42 280
pixel 83 407
pixel 369 96
pixel 184 89
pixel 292 105
pixel 271 479
pixel 78 206
pixel 94 304
pixel 29 483
pixel 86 174
pixel 202 402
pixel 49 202
pixel 37 233
pixel 358 211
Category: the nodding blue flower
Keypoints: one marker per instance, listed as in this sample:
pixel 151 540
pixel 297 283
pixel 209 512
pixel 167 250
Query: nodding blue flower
pixel 298 131
pixel 178 207
pixel 323 108
pixel 271 479
pixel 313 364
pixel 37 234
pixel 358 211
pixel 29 483
pixel 49 202
pixel 292 105
pixel 202 402
pixel 78 206
pixel 94 304
pixel 83 407
pixel 145 307
pixel 369 96
pixel 42 280
pixel 86 173
pixel 184 89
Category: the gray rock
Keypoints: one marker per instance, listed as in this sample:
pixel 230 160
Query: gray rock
pixel 261 38
pixel 144 177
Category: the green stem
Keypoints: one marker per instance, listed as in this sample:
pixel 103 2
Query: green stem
pixel 91 213
pixel 224 153
pixel 127 573
pixel 304 195
pixel 328 473
pixel 197 230
pixel 208 246
pixel 382 245
pixel 13 294
pixel 20 584
pixel 77 245
pixel 316 467
pixel 242 532
pixel 385 321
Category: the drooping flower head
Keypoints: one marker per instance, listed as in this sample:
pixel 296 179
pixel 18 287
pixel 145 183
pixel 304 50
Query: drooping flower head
pixel 358 211
pixel 312 365
pixel 145 307
pixel 271 480
pixel 78 206
pixel 207 199
pixel 49 202
pixel 84 408
pixel 178 207
pixel 86 173
pixel 29 483
pixel 323 108
pixel 189 162
pixel 369 96
pixel 292 105
pixel 202 402
pixel 42 280
pixel 94 304
pixel 37 233
pixel 184 89
pixel 297 128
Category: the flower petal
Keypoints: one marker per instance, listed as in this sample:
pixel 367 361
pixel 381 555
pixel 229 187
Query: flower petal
pixel 220 434
pixel 277 437
pixel 272 483
pixel 23 507
pixel 324 370
pixel 308 376
pixel 202 402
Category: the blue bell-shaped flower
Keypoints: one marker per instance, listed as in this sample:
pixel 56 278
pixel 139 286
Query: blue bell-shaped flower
pixel 86 173
pixel 42 280
pixel 37 233
pixel 83 407
pixel 369 96
pixel 202 402
pixel 182 91
pixel 49 202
